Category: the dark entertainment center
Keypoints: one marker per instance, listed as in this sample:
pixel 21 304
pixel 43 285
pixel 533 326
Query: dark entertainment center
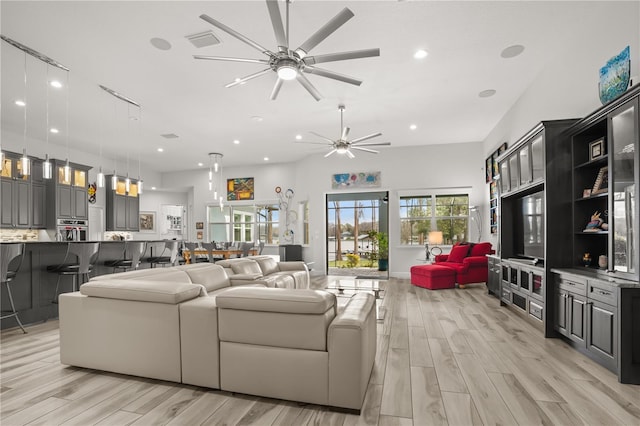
pixel 569 233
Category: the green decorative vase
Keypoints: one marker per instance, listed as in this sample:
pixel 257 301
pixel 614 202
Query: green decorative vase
pixel 383 264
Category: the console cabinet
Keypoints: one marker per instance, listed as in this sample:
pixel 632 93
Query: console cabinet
pixel 493 276
pixel 523 286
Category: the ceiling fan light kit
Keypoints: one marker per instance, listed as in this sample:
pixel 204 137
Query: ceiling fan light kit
pixel 292 64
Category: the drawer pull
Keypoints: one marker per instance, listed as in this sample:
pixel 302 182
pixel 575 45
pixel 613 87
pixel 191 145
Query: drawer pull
pixel 604 293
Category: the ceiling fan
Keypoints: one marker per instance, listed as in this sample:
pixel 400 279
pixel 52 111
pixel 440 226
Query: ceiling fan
pixel 344 145
pixel 292 64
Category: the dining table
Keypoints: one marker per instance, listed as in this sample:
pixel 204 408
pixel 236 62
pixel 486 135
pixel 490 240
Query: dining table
pixel 225 253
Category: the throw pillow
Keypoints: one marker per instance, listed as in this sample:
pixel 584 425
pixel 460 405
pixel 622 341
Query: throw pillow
pixel 480 249
pixel 458 253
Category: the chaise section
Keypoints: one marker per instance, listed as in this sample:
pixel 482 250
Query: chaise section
pixel 127 327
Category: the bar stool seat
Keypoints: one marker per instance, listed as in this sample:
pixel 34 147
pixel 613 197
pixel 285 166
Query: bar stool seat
pixel 133 251
pixel 169 255
pixel 85 254
pixel 10 253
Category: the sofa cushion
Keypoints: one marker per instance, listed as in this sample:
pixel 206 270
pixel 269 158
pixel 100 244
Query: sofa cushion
pixel 143 291
pixel 480 249
pixel 156 274
pixel 458 253
pixel 212 277
pixel 245 267
pixel 268 265
pixel 277 300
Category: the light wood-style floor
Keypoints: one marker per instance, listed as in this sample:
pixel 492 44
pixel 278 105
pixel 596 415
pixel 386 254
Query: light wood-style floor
pixel 444 357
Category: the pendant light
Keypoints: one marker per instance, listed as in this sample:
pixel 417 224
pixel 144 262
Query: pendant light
pixel 25 163
pixel 47 167
pixel 67 168
pixel 100 179
pixel 215 174
pixel 114 177
pixel 140 182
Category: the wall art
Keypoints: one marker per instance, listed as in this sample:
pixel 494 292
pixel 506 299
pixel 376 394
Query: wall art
pixel 356 180
pixel 240 189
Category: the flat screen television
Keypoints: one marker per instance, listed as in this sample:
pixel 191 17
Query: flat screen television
pixel 530 226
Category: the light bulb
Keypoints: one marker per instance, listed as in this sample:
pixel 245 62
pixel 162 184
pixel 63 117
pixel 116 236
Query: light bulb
pixel 210 175
pixel 127 184
pixel 215 167
pixel 215 194
pixel 210 185
pixel 114 181
pixel 287 69
pixel 341 150
pixel 140 185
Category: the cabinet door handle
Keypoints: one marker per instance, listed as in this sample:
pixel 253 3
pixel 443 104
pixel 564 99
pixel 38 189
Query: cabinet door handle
pixel 604 293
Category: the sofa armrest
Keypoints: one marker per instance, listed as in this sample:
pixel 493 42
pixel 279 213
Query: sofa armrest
pixel 475 261
pixel 244 279
pixel 292 265
pixel 351 342
pixel 441 257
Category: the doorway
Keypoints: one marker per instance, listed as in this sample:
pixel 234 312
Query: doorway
pixel 352 222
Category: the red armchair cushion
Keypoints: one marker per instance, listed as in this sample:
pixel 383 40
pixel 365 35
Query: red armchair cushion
pixel 458 253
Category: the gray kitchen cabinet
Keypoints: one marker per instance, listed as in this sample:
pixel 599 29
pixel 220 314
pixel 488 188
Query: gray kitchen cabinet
pixel 69 191
pixel 16 194
pixel 123 207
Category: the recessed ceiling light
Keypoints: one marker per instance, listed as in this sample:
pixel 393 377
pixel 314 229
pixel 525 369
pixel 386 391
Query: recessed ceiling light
pixel 257 118
pixel 200 164
pixel 160 43
pixel 153 188
pixel 298 137
pixel 487 93
pixel 512 51
pixel 54 130
pixel 420 54
pixel 413 127
pixel 160 149
pixel 266 158
pixel 236 141
pixel 20 103
pixel 56 84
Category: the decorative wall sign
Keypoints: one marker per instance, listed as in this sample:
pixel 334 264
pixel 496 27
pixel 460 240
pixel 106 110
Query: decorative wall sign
pixel 240 189
pixel 356 180
pixel 614 76
pixel 92 193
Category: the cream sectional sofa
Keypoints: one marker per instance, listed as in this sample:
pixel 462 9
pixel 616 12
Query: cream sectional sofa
pixel 270 272
pixel 195 325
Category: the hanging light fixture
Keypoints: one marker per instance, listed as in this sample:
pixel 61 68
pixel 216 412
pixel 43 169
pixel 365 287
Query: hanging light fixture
pixel 67 168
pixel 215 174
pixel 140 182
pixel 47 167
pixel 25 164
pixel 67 171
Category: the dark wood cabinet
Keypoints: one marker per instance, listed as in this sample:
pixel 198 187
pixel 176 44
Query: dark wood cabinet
pixel 123 207
pixel 493 275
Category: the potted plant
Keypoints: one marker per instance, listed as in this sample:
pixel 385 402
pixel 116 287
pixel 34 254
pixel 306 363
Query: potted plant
pixel 383 250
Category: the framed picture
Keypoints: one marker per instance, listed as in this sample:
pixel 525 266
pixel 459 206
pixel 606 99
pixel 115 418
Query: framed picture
pixel 199 225
pixel 596 149
pixel 502 148
pixel 199 235
pixel 601 184
pixel 147 221
pixel 488 167
pixel 586 193
pixel 496 167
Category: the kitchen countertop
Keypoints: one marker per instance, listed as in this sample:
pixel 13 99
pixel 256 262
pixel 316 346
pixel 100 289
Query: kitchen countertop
pixel 593 274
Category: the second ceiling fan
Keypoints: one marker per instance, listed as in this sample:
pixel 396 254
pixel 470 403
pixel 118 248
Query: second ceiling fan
pixel 344 145
pixel 292 64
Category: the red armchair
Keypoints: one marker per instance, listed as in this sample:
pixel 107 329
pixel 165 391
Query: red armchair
pixel 468 260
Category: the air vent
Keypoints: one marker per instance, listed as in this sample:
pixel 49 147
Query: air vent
pixel 204 39
pixel 169 136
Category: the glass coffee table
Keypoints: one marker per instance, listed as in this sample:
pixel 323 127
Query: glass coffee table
pixel 345 287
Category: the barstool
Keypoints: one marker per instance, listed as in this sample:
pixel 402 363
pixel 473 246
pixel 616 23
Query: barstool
pixel 86 254
pixel 10 252
pixel 133 251
pixel 169 255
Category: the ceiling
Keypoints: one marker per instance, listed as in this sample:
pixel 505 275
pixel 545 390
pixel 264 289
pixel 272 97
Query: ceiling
pixel 108 43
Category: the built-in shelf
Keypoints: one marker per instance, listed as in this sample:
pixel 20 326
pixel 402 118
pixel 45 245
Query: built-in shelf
pixel 599 161
pixel 602 195
pixel 592 233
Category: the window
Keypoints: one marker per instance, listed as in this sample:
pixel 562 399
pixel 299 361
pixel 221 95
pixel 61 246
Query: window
pixel 446 213
pixel 244 223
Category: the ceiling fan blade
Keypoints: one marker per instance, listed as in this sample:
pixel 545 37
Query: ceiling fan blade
pixel 247 78
pixel 276 22
pixel 330 152
pixel 364 138
pixel 236 34
pixel 315 143
pixel 276 89
pixel 333 75
pixel 350 154
pixel 323 137
pixel 310 88
pixel 223 58
pixel 324 32
pixel 371 144
pixel 364 149
pixel 345 133
pixel 342 56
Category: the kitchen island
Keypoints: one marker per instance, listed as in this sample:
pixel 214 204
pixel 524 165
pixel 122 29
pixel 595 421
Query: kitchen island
pixel 34 287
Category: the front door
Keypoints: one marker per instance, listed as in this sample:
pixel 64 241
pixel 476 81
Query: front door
pixel 352 221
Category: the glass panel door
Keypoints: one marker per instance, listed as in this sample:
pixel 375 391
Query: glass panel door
pixel 513 171
pixel 525 279
pixel 525 165
pixel 537 159
pixel 504 176
pixel 624 135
